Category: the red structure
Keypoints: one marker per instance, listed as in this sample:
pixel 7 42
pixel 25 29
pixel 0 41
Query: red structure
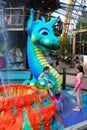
pixel 24 106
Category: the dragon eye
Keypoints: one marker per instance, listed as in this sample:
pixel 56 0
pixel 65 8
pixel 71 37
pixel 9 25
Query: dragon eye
pixel 43 31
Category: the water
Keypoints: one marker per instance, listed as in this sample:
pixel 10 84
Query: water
pixel 4 39
pixel 2 81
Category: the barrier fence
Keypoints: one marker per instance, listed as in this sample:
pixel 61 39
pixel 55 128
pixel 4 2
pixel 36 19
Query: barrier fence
pixel 66 77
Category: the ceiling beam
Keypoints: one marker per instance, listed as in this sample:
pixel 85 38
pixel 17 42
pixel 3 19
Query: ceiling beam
pixel 79 31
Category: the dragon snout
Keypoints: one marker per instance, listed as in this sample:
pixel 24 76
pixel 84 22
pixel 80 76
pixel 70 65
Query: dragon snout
pixel 53 41
pixel 56 42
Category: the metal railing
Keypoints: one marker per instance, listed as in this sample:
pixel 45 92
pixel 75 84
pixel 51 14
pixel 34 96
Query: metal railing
pixel 16 18
pixel 13 17
pixel 68 79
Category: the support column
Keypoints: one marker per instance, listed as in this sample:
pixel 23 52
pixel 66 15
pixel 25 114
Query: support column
pixel 74 45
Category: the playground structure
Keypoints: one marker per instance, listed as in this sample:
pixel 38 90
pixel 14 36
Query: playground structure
pixel 65 29
pixel 15 20
pixel 40 37
pixel 72 15
pixel 14 25
pixel 2 60
pixel 74 39
pixel 21 111
pixel 27 107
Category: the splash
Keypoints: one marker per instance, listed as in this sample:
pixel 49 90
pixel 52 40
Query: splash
pixel 2 81
pixel 4 39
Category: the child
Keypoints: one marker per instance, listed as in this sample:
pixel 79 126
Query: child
pixel 78 87
pixel 44 75
pixel 57 99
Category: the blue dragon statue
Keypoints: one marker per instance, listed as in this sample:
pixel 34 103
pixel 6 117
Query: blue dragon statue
pixel 41 39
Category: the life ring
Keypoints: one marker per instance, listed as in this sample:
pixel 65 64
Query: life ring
pixel 2 62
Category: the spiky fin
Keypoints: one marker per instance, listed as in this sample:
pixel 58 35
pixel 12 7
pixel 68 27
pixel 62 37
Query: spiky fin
pixel 52 21
pixel 30 21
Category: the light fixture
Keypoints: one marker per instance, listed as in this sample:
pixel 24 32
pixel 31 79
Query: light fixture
pixel 42 1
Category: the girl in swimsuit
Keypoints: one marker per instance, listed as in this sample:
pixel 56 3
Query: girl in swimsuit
pixel 57 99
pixel 78 87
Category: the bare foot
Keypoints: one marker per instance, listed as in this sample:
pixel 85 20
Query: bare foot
pixel 76 109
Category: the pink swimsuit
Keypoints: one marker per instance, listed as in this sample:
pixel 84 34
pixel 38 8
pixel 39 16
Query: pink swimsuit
pixel 57 101
pixel 80 85
pixel 54 98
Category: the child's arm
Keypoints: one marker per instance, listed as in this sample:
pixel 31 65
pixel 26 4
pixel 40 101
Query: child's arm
pixel 41 76
pixel 50 92
pixel 50 81
pixel 61 106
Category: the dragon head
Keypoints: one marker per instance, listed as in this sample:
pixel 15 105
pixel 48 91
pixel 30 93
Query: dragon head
pixel 41 32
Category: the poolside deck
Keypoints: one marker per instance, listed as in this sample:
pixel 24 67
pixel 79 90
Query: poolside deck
pixel 70 77
pixel 79 126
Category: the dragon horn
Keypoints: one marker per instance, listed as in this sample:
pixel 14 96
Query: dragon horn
pixel 43 19
pixel 53 21
pixel 30 20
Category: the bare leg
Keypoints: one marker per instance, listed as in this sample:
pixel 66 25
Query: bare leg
pixel 79 101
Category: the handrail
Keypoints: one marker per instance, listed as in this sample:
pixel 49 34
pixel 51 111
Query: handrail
pixel 16 17
pixel 64 84
pixel 64 75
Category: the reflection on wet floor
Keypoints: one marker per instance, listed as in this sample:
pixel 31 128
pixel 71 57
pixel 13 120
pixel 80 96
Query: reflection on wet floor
pixel 69 116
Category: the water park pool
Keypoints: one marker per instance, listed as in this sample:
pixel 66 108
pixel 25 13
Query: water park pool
pixel 68 116
pixel 14 76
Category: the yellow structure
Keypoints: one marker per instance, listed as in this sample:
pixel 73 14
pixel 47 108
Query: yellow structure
pixel 74 39
pixel 69 11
